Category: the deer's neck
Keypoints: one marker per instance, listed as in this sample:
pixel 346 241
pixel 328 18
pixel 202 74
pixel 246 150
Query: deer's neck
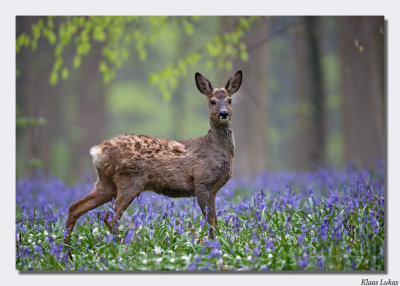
pixel 222 135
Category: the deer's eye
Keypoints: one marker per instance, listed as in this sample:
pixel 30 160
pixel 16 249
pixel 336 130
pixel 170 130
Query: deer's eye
pixel 213 102
pixel 229 101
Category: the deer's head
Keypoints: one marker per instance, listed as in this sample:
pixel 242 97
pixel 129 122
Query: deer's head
pixel 219 99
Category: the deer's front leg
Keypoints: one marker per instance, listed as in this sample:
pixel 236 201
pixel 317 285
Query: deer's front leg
pixel 206 201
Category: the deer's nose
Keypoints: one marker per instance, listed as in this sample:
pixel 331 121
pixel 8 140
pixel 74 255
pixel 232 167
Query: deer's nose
pixel 223 115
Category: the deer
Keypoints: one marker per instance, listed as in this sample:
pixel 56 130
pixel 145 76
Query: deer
pixel 129 164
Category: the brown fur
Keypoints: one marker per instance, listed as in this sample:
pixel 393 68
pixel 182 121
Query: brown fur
pixel 129 164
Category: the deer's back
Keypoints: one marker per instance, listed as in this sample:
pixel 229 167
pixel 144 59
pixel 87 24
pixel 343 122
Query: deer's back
pixel 166 166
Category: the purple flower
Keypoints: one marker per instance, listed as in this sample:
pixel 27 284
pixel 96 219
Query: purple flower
pixel 256 251
pixel 214 253
pixel 333 197
pixel 303 261
pixel 38 250
pixel 197 259
pixel 213 244
pixel 324 230
pixel 320 262
pixel 56 250
pixel 181 229
pixel 129 236
pixel 300 238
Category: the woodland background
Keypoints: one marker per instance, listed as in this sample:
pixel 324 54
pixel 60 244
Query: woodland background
pixel 313 95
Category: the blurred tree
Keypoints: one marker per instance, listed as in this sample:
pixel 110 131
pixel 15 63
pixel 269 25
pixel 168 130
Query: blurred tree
pixel 179 99
pixel 250 120
pixel 90 92
pixel 363 88
pixel 37 102
pixel 310 114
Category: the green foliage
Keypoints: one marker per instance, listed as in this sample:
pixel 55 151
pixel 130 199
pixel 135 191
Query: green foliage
pixel 22 41
pixel 167 79
pixel 35 163
pixel 119 35
pixel 30 121
pixel 25 121
pixel 219 53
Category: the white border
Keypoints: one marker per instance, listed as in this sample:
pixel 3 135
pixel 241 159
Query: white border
pixel 10 9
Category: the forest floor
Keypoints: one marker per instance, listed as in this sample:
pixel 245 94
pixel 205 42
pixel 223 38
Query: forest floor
pixel 330 219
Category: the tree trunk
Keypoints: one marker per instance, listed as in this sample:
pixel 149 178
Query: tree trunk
pixel 250 105
pixel 310 114
pixel 36 98
pixel 179 99
pixel 363 90
pixel 92 114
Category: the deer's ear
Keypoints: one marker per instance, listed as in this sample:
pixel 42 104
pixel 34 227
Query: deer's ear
pixel 203 84
pixel 234 83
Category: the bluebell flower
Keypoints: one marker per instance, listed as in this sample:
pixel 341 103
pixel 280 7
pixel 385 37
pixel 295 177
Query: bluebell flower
pixel 38 250
pixel 214 253
pixel 302 262
pixel 320 262
pixel 128 236
pixel 256 251
pixel 300 238
pixel 213 244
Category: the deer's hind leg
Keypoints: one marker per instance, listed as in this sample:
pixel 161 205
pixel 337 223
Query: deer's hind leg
pixel 128 188
pixel 103 192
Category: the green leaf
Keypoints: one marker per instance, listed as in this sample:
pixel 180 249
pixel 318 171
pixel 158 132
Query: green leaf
pixel 212 50
pixel 103 67
pixel 53 78
pixel 58 63
pixel 108 75
pixel 51 36
pixel 98 34
pixel 195 18
pixel 83 48
pixel 63 35
pixel 58 50
pixel 36 29
pixel 188 27
pixel 77 61
pixel 22 40
pixel 64 73
pixel 110 54
pixel 34 44
pixel 244 56
pixel 50 23
pixel 154 79
pixel 193 59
